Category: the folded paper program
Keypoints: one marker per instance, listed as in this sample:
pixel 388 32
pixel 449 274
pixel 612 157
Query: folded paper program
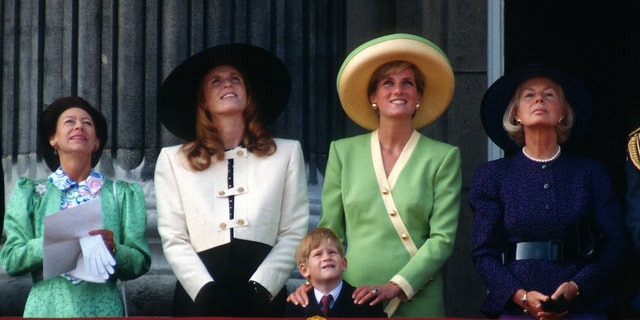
pixel 63 230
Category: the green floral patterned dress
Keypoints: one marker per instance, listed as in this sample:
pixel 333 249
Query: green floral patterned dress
pixel 58 297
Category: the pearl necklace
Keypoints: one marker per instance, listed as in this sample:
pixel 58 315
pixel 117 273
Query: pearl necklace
pixel 553 157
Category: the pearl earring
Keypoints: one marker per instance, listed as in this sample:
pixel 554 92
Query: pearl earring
pixel 374 106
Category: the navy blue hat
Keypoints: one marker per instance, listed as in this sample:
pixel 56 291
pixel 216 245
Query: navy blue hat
pixel 266 73
pixel 497 98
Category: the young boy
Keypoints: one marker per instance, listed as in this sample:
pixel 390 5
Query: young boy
pixel 320 259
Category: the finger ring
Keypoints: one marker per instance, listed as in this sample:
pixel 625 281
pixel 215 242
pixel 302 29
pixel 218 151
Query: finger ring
pixel 375 291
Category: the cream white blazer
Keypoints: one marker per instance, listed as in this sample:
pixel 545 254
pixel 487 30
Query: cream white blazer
pixel 271 207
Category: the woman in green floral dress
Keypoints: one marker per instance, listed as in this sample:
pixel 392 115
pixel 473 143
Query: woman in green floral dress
pixel 73 135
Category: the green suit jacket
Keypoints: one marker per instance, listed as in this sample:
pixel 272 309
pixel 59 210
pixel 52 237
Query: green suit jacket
pixel 22 253
pixel 427 195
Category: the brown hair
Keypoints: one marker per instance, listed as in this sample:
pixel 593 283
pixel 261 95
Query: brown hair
pixel 257 138
pixel 313 239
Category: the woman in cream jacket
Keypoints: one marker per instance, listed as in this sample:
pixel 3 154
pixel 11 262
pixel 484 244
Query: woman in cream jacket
pixel 232 202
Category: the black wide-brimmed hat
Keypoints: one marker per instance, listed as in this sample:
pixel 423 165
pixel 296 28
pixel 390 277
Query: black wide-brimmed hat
pixel 266 73
pixel 497 98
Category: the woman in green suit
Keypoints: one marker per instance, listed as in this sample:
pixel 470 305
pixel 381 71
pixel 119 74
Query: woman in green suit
pixel 73 135
pixel 393 195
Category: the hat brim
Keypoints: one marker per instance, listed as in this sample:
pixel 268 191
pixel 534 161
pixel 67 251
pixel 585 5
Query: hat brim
pixel 358 68
pixel 266 73
pixel 496 100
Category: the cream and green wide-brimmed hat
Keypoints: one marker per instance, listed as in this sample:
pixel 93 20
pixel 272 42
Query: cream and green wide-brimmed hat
pixel 359 66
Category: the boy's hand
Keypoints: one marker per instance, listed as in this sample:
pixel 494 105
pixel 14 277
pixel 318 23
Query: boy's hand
pixel 300 295
pixel 376 293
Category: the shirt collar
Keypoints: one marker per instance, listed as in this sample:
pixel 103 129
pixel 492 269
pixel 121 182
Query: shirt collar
pixel 62 181
pixel 334 293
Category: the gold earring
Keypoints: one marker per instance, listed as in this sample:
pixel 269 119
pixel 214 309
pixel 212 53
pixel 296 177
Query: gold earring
pixel 518 121
pixel 374 106
pixel 561 121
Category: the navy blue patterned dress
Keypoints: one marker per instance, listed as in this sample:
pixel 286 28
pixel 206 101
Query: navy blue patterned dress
pixel 515 200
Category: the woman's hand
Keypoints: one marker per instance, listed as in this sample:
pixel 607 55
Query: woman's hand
pixel 300 297
pixel 551 315
pixel 107 237
pixel 534 299
pixel 530 301
pixel 568 290
pixel 380 292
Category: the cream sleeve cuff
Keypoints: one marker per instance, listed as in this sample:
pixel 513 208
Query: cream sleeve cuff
pixel 404 285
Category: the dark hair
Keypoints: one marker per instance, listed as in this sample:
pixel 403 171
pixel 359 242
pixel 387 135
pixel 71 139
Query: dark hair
pixel 49 122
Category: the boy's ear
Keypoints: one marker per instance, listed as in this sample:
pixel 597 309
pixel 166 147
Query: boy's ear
pixel 304 271
pixel 344 264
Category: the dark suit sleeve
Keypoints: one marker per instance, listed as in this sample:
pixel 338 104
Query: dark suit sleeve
pixel 345 307
pixel 632 205
pixel 292 311
pixel 366 311
pixel 312 309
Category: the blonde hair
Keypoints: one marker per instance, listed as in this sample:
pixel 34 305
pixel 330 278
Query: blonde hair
pixel 257 138
pixel 313 239
pixel 393 67
pixel 516 131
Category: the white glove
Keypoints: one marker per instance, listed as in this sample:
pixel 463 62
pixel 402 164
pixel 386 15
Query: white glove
pixel 97 258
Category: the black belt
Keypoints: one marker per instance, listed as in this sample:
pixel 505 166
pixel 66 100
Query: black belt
pixel 552 250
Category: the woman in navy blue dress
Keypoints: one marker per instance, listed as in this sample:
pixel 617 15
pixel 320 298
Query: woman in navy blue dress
pixel 526 205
